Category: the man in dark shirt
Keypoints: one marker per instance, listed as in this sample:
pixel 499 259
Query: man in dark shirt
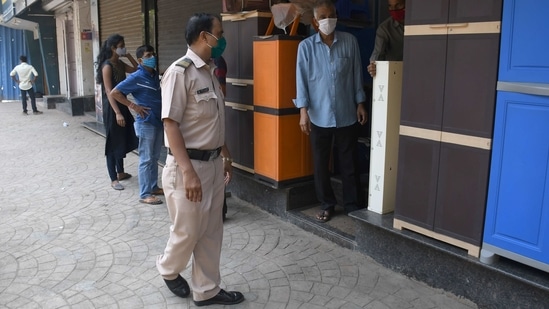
pixel 389 36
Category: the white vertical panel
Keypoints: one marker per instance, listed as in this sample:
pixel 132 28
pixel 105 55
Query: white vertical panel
pixel 386 97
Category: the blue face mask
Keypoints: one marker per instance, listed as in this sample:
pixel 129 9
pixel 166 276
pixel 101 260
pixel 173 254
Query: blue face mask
pixel 218 50
pixel 150 62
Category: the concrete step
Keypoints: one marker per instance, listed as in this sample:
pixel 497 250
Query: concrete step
pixel 50 101
pixel 505 284
pixel 77 106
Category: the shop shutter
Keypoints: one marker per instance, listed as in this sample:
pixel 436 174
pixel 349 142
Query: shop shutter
pixel 124 18
pixel 172 17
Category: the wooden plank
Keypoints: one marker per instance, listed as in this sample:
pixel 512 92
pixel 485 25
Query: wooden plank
pixel 454 28
pixel 471 249
pixel 242 167
pixel 244 15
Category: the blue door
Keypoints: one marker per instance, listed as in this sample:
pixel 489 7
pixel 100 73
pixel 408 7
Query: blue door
pixel 12 45
pixel 517 214
pixel 524 42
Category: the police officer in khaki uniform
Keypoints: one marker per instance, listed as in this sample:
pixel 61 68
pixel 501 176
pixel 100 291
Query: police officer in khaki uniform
pixel 197 167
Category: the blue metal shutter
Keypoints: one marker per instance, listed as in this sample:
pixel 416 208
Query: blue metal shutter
pixel 12 45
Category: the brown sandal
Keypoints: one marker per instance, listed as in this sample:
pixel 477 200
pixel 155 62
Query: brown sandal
pixel 324 216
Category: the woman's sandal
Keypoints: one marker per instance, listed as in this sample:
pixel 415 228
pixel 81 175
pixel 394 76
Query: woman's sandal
pixel 117 186
pixel 324 215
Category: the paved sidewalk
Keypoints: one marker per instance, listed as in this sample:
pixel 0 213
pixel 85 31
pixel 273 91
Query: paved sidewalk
pixel 68 240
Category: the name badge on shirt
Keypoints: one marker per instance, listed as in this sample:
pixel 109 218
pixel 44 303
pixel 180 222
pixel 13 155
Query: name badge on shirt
pixel 203 90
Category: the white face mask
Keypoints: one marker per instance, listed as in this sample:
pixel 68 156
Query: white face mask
pixel 327 25
pixel 121 51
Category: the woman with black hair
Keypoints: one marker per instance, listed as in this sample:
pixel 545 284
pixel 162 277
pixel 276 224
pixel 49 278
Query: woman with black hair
pixel 118 121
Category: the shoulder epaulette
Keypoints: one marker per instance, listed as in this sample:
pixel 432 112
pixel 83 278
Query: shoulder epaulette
pixel 185 63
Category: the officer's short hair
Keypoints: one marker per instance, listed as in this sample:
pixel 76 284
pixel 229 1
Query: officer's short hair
pixel 197 23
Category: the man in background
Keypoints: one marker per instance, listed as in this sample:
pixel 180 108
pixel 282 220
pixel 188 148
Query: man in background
pixel 330 97
pixel 24 75
pixel 144 85
pixel 389 42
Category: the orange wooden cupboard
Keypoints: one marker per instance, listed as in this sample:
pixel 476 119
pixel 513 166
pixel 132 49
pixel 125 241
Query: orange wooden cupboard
pixel 282 153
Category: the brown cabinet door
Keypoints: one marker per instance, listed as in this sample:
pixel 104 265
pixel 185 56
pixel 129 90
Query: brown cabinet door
pixel 241 93
pixel 232 140
pixel 239 135
pixel 238 54
pixel 423 81
pixel 425 12
pixel 462 11
pixel 461 195
pixel 246 127
pixel 249 28
pixel 231 34
pixel 470 88
pixel 417 181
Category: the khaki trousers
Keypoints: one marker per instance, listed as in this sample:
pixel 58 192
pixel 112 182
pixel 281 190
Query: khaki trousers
pixel 197 228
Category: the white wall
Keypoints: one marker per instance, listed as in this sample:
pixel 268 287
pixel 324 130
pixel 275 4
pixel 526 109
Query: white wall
pixel 84 50
pixel 61 54
pixel 80 14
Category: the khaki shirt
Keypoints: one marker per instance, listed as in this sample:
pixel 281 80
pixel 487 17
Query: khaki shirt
pixel 193 98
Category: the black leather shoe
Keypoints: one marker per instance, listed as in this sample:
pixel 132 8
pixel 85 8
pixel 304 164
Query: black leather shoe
pixel 178 286
pixel 222 298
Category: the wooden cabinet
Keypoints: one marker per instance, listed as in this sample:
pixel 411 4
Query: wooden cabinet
pixel 240 30
pixel 282 152
pixel 449 82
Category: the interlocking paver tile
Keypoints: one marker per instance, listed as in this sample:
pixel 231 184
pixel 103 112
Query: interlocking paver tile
pixel 68 240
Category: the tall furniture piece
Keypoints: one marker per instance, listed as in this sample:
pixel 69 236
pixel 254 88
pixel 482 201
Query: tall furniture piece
pixel 239 30
pixel 386 96
pixel 517 214
pixel 282 153
pixel 449 82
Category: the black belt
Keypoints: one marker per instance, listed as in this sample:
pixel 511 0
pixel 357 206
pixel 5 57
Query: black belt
pixel 202 155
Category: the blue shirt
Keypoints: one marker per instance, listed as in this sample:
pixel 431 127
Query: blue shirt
pixel 329 80
pixel 145 88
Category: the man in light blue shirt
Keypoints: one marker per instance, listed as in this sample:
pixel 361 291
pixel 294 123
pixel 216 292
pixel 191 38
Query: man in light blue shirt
pixel 331 100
